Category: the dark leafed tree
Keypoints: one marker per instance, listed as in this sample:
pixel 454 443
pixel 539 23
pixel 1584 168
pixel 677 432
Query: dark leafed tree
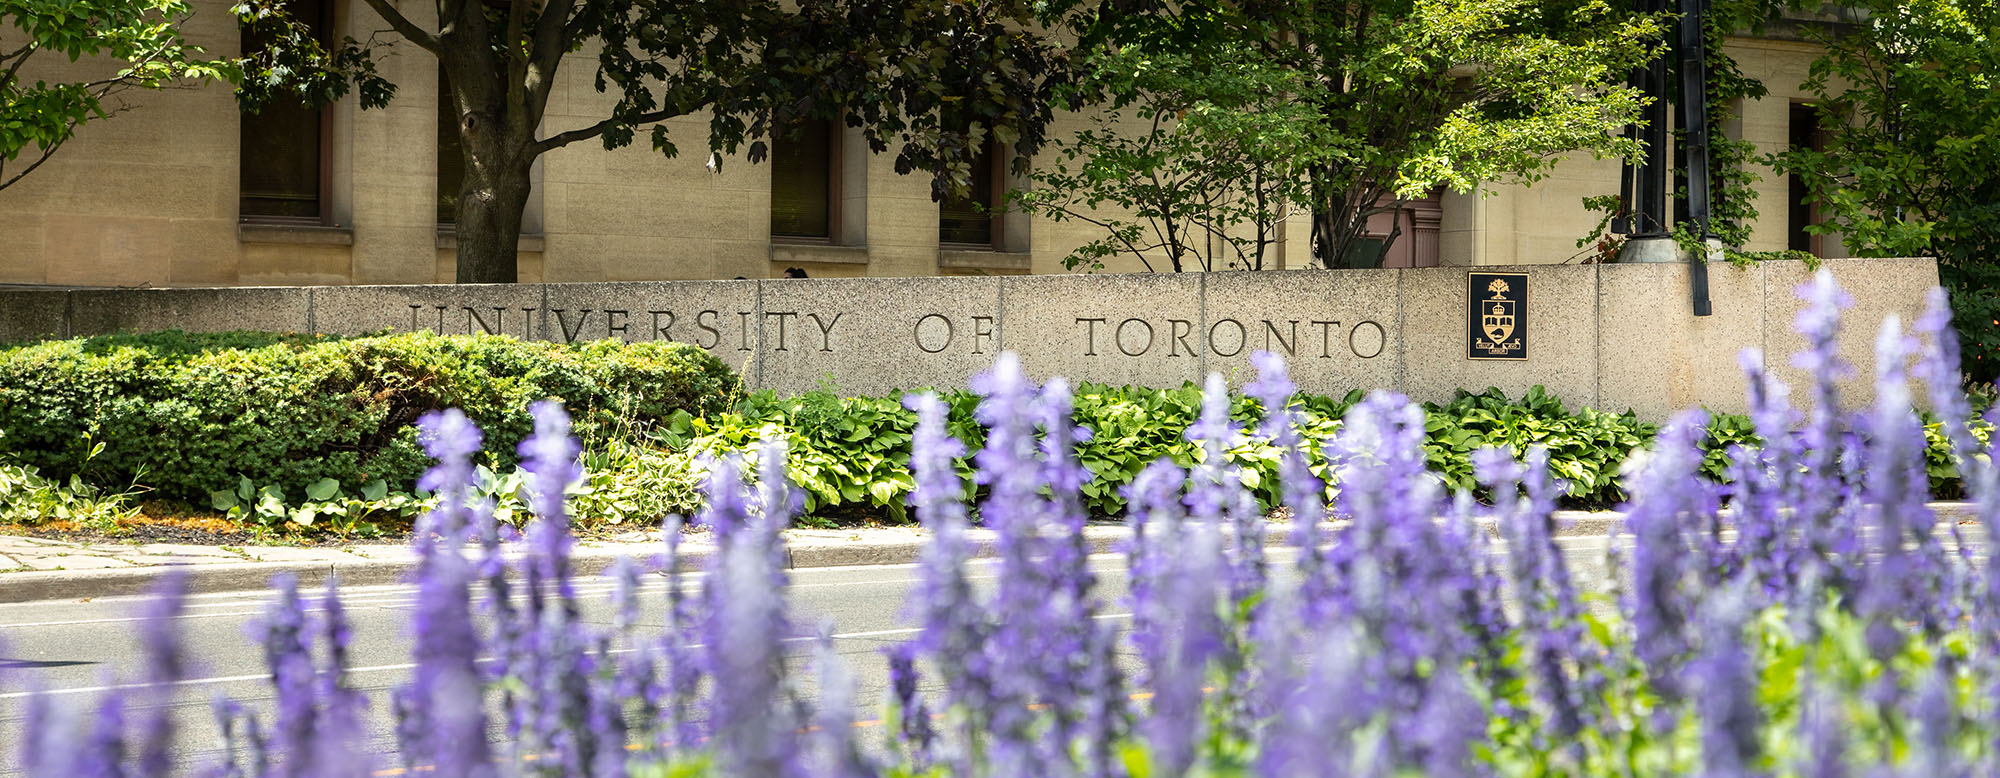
pixel 134 45
pixel 929 79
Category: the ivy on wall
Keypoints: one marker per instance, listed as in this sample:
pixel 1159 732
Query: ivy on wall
pixel 1733 202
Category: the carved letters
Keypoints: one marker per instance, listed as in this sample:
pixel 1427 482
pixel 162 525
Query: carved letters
pixel 1228 337
pixel 930 332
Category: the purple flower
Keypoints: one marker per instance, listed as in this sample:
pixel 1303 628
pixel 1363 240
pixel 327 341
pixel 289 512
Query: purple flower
pixel 1302 491
pixel 1936 716
pixel 340 748
pixel 951 618
pixel 293 679
pixel 1179 632
pixel 442 713
pixel 1217 495
pixel 1273 388
pixel 1665 501
pixel 451 438
pixel 225 713
pixel 683 671
pixel 1724 681
pixel 550 454
pixel 1549 617
pixel 743 626
pixel 907 710
pixel 1938 366
pixel 1314 731
pixel 1823 440
pixel 840 756
pixel 166 664
pixel 1449 727
pixel 1020 621
pixel 1904 583
pixel 551 654
pixel 103 751
pixel 1822 734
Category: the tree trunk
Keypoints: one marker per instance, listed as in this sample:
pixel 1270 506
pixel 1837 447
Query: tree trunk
pixel 489 226
pixel 495 189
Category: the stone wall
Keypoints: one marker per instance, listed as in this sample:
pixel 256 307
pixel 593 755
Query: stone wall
pixel 1608 336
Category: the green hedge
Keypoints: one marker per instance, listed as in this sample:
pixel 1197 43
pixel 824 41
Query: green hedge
pixel 187 414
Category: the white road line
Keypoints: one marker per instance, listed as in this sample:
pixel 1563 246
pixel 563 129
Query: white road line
pixel 407 599
pixel 386 600
pixel 410 666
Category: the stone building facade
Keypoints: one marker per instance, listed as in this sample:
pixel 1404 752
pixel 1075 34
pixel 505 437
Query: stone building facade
pixel 163 196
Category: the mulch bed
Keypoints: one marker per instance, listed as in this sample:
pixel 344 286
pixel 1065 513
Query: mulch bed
pixel 206 531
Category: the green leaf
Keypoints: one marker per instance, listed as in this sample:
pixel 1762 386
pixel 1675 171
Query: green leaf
pixel 322 490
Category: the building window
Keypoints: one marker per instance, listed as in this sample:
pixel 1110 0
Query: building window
pixel 973 218
pixel 284 143
pixel 451 155
pixel 1804 131
pixel 805 186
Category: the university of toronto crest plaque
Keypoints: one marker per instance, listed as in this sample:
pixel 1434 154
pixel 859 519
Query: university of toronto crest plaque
pixel 1496 315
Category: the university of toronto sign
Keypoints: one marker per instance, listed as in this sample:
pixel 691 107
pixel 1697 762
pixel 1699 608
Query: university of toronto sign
pixel 1427 332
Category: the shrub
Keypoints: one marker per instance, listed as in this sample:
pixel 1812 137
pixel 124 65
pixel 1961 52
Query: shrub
pixel 1835 634
pixel 847 452
pixel 192 414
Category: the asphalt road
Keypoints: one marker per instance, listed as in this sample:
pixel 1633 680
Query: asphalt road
pixel 75 649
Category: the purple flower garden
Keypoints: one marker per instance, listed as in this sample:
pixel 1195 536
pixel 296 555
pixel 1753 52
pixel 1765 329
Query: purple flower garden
pixel 1812 618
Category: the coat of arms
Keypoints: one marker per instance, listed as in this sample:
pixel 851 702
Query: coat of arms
pixel 1498 321
pixel 1496 315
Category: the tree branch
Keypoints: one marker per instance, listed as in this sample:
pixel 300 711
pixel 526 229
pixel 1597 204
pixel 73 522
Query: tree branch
pixel 516 60
pixel 562 139
pixel 448 11
pixel 404 27
pixel 20 52
pixel 19 57
pixel 552 37
pixel 46 153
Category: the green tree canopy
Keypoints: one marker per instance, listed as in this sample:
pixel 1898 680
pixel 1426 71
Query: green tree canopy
pixel 1909 161
pixel 928 78
pixel 138 41
pixel 1217 119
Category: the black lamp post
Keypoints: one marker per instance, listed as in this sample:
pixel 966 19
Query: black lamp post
pixel 1644 184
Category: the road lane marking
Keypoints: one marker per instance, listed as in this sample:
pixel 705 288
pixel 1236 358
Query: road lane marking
pixel 386 600
pixel 411 665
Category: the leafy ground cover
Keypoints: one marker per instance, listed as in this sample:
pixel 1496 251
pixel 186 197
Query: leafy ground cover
pixel 1841 631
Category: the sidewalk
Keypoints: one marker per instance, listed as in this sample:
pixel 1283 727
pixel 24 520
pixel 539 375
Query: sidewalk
pixel 33 569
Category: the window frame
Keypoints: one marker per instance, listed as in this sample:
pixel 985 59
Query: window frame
pixel 1799 213
pixel 835 165
pixel 323 199
pixel 997 197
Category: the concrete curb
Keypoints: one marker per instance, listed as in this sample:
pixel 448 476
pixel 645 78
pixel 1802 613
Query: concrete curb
pixel 588 560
